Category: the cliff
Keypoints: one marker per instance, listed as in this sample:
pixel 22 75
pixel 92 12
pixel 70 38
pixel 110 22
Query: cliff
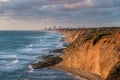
pixel 71 34
pixel 95 50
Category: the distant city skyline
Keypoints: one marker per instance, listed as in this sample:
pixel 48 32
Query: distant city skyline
pixel 38 14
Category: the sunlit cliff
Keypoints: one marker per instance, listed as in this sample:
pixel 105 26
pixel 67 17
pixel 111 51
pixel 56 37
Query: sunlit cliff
pixel 95 50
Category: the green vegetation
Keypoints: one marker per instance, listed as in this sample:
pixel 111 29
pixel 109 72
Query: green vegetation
pixel 96 35
pixel 99 36
pixel 88 37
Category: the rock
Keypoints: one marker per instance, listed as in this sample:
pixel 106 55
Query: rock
pixel 57 50
pixel 48 61
pixel 115 72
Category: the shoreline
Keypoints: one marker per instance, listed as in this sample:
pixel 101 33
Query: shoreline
pixel 96 51
pixel 84 75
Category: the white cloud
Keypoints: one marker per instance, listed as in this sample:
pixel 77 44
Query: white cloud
pixel 80 5
pixel 3 0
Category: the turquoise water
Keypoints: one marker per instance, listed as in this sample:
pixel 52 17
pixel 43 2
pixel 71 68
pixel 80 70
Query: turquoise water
pixel 19 49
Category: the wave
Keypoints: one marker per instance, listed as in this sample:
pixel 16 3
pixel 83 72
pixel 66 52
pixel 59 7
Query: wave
pixel 69 73
pixel 8 56
pixel 34 57
pixel 78 78
pixel 60 45
pixel 15 61
pixel 28 49
pixel 25 49
pixel 29 46
pixel 31 69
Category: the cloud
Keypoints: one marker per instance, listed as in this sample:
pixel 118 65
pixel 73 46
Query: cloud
pixel 3 0
pixel 93 4
pixel 80 5
pixel 15 5
pixel 106 3
pixel 58 4
pixel 62 12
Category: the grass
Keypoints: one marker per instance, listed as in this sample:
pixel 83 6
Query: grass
pixel 88 37
pixel 99 36
pixel 96 36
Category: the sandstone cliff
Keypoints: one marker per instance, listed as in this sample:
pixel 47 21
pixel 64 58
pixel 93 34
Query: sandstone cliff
pixel 93 50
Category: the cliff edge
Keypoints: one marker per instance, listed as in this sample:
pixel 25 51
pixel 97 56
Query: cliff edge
pixel 95 50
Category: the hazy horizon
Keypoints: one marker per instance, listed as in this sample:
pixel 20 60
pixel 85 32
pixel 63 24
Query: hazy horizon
pixel 38 14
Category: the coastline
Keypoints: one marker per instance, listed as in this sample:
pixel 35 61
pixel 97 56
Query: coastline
pixel 83 75
pixel 92 53
pixel 95 51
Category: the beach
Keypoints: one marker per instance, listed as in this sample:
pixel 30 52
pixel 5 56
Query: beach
pixel 81 74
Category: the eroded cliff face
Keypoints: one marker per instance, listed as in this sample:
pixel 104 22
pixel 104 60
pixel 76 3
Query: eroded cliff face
pixel 94 50
pixel 71 34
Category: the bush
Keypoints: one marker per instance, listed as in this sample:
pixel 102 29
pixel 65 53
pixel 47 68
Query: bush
pixel 88 37
pixel 99 37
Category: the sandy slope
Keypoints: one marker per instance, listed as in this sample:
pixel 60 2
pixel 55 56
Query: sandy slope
pixel 84 75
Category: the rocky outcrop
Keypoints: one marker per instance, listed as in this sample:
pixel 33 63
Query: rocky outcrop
pixel 95 50
pixel 48 61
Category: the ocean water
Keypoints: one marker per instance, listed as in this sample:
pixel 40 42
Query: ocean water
pixel 19 49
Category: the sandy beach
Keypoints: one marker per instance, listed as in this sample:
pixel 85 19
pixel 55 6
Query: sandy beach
pixel 84 75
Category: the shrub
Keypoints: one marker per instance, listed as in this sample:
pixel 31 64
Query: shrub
pixel 99 37
pixel 88 37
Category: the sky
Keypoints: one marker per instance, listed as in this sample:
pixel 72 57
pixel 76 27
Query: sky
pixel 38 14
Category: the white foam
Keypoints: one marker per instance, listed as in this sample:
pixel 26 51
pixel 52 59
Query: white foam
pixel 15 61
pixel 8 56
pixel 63 36
pixel 76 77
pixel 60 45
pixel 25 49
pixel 33 57
pixel 79 78
pixel 31 45
pixel 31 69
pixel 29 49
pixel 69 73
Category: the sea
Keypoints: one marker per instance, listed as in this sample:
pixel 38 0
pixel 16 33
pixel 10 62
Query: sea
pixel 20 49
